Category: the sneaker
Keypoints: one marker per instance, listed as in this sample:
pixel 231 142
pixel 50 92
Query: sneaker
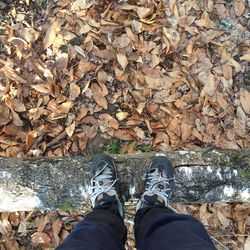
pixel 103 182
pixel 159 183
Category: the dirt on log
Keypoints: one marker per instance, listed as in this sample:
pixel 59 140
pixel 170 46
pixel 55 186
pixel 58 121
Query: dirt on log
pixel 208 175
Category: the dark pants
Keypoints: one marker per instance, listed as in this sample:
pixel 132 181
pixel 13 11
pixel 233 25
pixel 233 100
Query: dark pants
pixel 156 228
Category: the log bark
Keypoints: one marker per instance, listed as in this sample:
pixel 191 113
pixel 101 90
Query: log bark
pixel 208 175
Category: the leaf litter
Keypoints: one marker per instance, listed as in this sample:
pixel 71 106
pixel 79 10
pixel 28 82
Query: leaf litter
pixel 151 66
pixel 227 223
pixel 168 74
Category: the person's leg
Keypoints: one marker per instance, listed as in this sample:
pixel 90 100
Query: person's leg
pixel 103 228
pixel 156 225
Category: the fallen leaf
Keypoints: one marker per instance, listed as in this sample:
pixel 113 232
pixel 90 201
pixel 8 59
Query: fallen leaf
pixel 105 54
pixel 246 57
pixel 205 21
pixel 51 33
pixel 44 88
pixel 124 134
pixel 136 26
pixel 74 91
pixel 30 139
pixel 12 75
pixel 16 119
pixel 186 129
pixel 82 113
pixel 56 226
pixel 98 96
pixel 247 243
pixel 102 77
pixel 227 71
pixel 239 7
pixel 209 83
pixel 22 229
pixel 143 12
pixel 122 115
pixel 70 129
pixel 173 36
pixel 245 100
pixel 110 122
pixel 139 133
pixel 40 238
pixel 122 60
pixel 121 42
pixel 209 4
pixel 85 67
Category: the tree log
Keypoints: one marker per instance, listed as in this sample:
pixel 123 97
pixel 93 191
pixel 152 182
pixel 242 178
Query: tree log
pixel 208 175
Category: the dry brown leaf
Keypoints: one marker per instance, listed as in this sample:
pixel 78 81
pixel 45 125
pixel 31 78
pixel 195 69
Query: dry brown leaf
pixel 30 139
pixel 122 60
pixel 62 60
pixel 223 219
pixel 22 229
pixel 173 36
pixel 124 134
pixel 139 133
pixel 209 83
pixel 12 75
pixel 92 131
pixel 245 100
pixel 40 238
pixel 227 71
pixel 74 91
pixel 122 115
pixel 209 4
pixel 51 33
pixel 121 42
pixel 44 88
pixel 239 7
pixel 102 77
pixel 143 12
pixel 14 218
pixel 205 21
pixel 186 21
pixel 141 107
pixel 56 226
pixel 16 119
pixel 85 67
pixel 161 137
pixel 109 121
pixel 247 243
pixel 105 54
pixel 98 96
pixel 71 129
pixel 186 129
pixel 82 113
pixel 136 26
pixel 246 57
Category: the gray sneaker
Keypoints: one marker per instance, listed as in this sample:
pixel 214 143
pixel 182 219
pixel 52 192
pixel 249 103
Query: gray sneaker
pixel 159 183
pixel 103 182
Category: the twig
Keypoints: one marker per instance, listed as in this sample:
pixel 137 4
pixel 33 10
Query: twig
pixel 222 245
pixel 230 235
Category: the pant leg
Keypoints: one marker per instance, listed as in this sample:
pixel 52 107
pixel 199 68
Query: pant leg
pixel 158 227
pixel 102 229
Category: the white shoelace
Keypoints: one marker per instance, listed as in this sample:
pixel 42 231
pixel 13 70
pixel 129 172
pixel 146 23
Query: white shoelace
pixel 155 179
pixel 104 176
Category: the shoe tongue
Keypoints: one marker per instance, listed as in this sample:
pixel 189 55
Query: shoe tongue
pixel 153 199
pixel 104 198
